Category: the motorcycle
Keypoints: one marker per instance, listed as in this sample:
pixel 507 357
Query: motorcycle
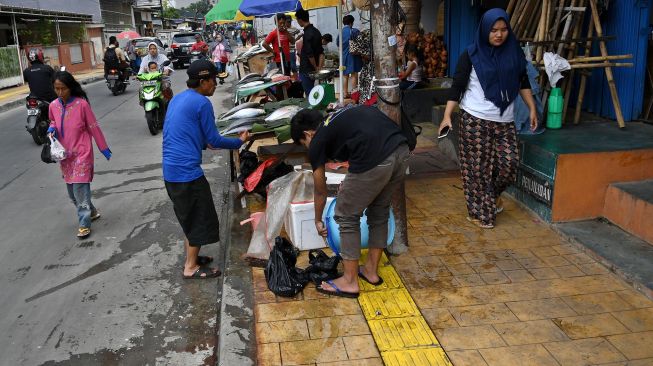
pixel 195 55
pixel 154 98
pixel 37 119
pixel 117 81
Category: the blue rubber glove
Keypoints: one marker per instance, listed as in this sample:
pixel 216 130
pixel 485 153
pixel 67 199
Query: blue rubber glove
pixel 52 130
pixel 106 153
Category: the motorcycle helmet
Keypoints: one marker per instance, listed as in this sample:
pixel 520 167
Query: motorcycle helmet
pixel 35 54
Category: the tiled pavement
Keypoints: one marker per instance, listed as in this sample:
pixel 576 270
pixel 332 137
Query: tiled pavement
pixel 516 295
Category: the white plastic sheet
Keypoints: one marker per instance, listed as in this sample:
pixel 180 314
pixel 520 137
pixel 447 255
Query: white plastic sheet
pixel 554 65
pixel 292 187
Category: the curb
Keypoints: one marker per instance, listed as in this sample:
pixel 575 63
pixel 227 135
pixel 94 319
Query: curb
pixel 21 101
pixel 236 333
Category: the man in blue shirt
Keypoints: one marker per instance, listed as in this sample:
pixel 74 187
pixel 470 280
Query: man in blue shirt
pixel 190 128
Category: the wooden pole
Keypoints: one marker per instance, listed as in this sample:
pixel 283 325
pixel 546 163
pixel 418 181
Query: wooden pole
pixel 608 70
pixel 385 68
pixel 584 76
pixel 572 53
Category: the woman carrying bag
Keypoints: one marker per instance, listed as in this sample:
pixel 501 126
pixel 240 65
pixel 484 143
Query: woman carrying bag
pixel 489 76
pixel 73 124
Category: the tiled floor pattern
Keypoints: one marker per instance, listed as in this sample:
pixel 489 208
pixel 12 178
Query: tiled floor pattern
pixel 401 334
pixel 515 295
pixel 518 294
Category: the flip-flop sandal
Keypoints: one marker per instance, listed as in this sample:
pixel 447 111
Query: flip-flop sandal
pixel 83 233
pixel 203 260
pixel 203 273
pixel 337 292
pixel 362 276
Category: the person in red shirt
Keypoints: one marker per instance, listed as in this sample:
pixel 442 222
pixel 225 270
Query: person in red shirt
pixel 199 45
pixel 280 35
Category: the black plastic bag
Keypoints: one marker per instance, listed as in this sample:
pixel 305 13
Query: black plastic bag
pixel 280 273
pixel 248 164
pixel 274 171
pixel 322 267
pixel 46 157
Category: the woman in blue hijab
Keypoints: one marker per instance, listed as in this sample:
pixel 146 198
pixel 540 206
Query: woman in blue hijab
pixel 490 74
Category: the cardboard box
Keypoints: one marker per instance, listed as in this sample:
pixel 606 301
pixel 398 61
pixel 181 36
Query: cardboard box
pixel 300 225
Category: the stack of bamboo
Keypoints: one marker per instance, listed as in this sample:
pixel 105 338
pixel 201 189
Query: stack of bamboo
pixel 557 26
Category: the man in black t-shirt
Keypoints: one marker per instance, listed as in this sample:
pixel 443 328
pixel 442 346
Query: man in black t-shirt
pixel 39 77
pixel 377 152
pixel 311 57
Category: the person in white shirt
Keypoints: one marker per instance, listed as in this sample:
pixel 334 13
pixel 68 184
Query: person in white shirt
pixel 490 74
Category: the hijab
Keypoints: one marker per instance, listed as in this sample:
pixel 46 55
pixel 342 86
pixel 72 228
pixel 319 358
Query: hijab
pixel 498 68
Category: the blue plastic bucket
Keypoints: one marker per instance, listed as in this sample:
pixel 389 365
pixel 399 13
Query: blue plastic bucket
pixel 333 229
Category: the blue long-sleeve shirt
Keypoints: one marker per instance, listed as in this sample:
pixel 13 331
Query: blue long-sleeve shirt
pixel 188 129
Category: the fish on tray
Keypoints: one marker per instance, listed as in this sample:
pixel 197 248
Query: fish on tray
pixel 288 111
pixel 245 113
pixel 239 107
pixel 239 126
pixel 252 84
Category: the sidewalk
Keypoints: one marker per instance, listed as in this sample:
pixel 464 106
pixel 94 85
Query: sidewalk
pixel 519 294
pixel 15 96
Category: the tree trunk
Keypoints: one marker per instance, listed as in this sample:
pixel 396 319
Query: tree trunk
pixel 387 88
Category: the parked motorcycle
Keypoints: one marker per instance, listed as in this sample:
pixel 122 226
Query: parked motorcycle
pixel 117 81
pixel 154 98
pixel 37 119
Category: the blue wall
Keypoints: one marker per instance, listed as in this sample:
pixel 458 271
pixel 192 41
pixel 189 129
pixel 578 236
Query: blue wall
pixel 629 21
pixel 461 23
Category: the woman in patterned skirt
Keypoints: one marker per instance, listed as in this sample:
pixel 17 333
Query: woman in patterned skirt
pixel 490 74
pixel 362 46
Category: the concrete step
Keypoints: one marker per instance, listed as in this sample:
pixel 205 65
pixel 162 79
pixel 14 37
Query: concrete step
pixel 624 254
pixel 630 206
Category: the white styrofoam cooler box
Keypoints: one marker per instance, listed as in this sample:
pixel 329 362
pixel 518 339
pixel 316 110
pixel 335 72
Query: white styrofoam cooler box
pixel 300 225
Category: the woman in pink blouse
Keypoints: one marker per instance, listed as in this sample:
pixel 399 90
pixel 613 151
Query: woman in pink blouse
pixel 73 124
pixel 221 53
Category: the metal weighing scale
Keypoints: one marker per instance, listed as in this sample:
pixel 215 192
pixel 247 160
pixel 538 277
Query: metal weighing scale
pixel 324 93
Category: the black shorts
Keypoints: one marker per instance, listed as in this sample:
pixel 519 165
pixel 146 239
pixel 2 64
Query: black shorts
pixel 194 208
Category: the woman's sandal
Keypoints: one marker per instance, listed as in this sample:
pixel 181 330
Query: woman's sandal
pixel 203 272
pixel 83 232
pixel 338 292
pixel 478 223
pixel 499 205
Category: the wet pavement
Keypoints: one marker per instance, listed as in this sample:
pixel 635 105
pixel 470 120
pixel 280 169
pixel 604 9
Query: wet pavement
pixel 116 298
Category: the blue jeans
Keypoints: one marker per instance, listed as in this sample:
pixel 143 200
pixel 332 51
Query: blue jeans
pixel 307 83
pixel 220 66
pixel 80 194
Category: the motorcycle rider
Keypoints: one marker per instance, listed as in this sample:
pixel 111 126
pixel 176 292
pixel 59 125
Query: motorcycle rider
pixel 200 45
pixel 114 58
pixel 39 77
pixel 154 55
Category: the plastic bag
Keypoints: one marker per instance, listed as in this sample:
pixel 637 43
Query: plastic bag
pixel 45 153
pixel 282 277
pixel 322 267
pixel 57 151
pixel 293 187
pixel 230 68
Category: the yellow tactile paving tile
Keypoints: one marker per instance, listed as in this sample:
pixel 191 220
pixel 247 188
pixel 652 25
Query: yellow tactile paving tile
pixel 391 280
pixel 387 304
pixel 416 357
pixel 402 333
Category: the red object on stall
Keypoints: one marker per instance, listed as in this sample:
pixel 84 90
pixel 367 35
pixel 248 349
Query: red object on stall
pixel 252 181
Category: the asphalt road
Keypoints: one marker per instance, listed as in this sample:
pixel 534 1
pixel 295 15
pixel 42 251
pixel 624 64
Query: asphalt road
pixel 116 298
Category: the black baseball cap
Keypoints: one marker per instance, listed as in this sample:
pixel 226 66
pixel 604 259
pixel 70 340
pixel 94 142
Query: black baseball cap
pixel 201 69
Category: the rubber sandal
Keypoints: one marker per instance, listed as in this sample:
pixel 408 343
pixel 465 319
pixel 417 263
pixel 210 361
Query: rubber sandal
pixel 499 208
pixel 362 276
pixel 203 273
pixel 203 260
pixel 337 292
pixel 83 232
pixel 95 216
pixel 478 223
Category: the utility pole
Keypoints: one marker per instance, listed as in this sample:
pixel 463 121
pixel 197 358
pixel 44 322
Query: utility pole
pixel 383 19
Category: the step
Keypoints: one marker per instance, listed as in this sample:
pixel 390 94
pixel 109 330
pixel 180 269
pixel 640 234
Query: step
pixel 624 254
pixel 630 206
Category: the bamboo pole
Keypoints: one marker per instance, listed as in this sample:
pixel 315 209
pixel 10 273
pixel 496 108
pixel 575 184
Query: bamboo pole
pixel 511 7
pixel 608 70
pixel 541 30
pixel 599 58
pixel 584 76
pixel 530 27
pixel 571 54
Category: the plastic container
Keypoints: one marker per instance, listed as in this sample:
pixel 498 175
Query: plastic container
pixel 333 229
pixel 300 225
pixel 556 104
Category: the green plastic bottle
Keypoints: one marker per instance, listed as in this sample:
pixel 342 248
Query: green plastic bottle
pixel 556 103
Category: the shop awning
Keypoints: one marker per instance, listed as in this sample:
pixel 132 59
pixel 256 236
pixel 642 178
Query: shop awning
pixel 268 8
pixel 226 11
